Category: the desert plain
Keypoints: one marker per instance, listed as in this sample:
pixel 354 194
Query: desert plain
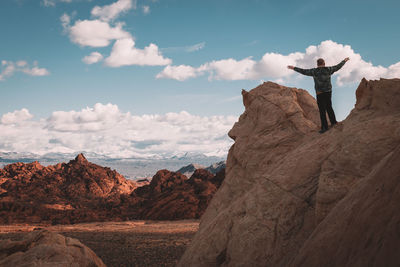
pixel 128 243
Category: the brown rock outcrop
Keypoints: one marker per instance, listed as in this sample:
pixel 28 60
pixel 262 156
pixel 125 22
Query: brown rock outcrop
pixel 44 248
pixel 80 191
pixel 363 229
pixel 71 192
pixel 283 178
pixel 171 196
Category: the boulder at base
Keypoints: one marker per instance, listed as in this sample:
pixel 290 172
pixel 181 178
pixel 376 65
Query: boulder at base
pixel 290 192
pixel 44 248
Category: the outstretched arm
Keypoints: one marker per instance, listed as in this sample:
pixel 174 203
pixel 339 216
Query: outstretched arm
pixel 338 66
pixel 308 72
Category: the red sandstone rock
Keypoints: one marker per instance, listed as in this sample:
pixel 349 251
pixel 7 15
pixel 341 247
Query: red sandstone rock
pixel 64 193
pixel 172 196
pixel 80 191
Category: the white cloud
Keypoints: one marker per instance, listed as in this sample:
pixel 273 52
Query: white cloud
pixel 65 21
pixel 110 12
pixel 274 66
pixel 189 48
pixel 49 3
pixel 96 33
pixel 94 57
pixel 101 32
pixel 125 53
pixel 106 130
pixel 9 68
pixel 21 63
pixel 52 3
pixel 146 10
pixel 180 73
pixel 18 116
pixel 229 69
pixel 196 47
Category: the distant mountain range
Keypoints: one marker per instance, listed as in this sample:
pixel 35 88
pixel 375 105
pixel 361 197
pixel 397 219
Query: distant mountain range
pixel 191 168
pixel 131 168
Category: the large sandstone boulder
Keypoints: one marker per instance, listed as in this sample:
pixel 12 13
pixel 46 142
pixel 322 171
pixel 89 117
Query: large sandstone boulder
pixel 283 178
pixel 44 248
pixel 363 229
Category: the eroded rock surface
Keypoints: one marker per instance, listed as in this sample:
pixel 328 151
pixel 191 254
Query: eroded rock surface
pixel 44 248
pixel 76 191
pixel 80 191
pixel 172 196
pixel 363 228
pixel 283 178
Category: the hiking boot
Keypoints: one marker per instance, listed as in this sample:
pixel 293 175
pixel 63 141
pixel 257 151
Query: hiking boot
pixel 323 130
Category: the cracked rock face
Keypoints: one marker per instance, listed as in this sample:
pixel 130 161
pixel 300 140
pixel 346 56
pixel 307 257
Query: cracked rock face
pixel 283 178
pixel 44 248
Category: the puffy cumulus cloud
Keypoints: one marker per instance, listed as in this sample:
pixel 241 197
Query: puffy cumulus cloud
pixel 125 53
pixel 94 57
pixel 274 66
pixel 9 68
pixel 36 71
pixel 180 73
pixel 229 69
pixel 102 31
pixel 16 117
pixel 106 130
pixel 96 33
pixel 112 11
pixel 97 118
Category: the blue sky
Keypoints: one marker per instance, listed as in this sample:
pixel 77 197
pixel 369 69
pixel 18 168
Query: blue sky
pixel 47 73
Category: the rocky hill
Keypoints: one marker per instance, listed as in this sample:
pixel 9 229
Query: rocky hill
pixel 171 196
pixel 64 193
pixel 294 197
pixel 80 191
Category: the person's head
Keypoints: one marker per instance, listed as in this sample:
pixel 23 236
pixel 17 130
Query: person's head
pixel 320 62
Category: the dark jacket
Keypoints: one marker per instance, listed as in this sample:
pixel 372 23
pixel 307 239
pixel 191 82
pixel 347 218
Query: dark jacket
pixel 322 76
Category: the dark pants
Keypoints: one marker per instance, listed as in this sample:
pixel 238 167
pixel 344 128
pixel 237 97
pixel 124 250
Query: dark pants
pixel 325 105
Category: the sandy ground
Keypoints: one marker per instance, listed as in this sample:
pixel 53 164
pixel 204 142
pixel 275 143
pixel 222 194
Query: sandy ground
pixel 131 243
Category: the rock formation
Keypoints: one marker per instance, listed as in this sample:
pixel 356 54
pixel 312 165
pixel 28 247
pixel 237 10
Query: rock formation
pixel 71 192
pixel 171 196
pixel 363 228
pixel 80 191
pixel 291 196
pixel 44 248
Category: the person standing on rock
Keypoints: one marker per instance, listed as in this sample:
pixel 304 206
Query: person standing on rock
pixel 323 88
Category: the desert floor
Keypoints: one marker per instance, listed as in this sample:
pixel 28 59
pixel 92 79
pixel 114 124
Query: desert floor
pixel 130 243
